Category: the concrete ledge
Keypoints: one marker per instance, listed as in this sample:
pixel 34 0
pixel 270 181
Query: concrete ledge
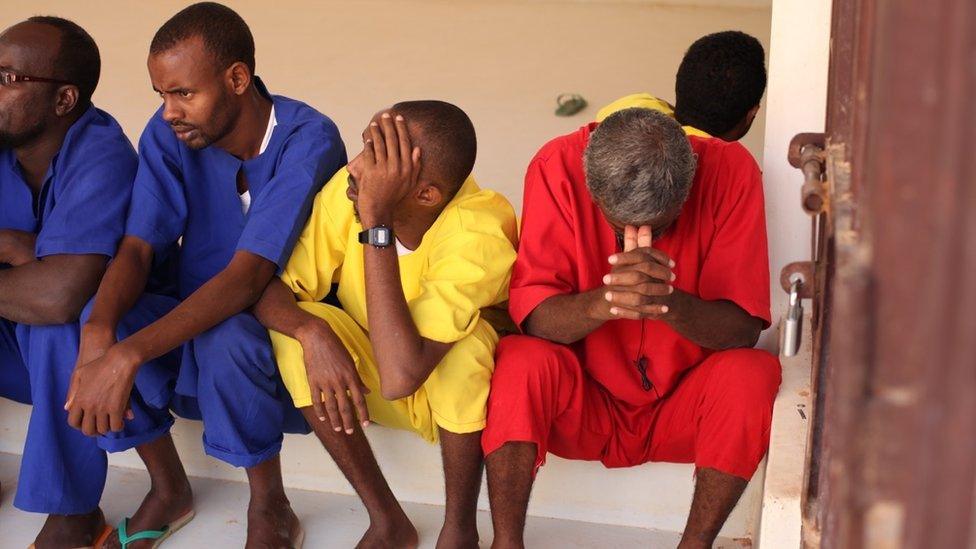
pixel 780 522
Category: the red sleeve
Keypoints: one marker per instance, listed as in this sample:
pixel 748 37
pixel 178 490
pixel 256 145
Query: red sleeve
pixel 546 261
pixel 736 267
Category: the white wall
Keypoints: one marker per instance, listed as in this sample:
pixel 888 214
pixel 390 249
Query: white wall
pixel 796 101
pixel 503 61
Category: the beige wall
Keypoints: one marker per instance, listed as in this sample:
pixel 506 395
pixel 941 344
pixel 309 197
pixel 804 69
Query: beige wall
pixel 504 62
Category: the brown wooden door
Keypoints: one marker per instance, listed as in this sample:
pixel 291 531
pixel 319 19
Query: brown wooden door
pixel 893 449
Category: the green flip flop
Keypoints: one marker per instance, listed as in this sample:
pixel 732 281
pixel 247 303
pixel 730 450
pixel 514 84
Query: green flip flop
pixel 158 535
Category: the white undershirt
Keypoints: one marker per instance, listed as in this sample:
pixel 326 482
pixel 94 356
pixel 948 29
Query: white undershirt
pixel 401 249
pixel 272 122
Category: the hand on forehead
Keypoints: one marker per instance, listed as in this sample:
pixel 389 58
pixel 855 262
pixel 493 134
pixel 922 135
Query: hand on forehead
pixel 414 130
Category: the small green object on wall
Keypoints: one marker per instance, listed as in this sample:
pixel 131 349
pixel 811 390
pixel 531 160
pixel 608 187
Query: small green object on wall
pixel 569 104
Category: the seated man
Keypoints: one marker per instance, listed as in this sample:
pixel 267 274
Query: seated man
pixel 409 344
pixel 66 172
pixel 232 170
pixel 717 90
pixel 641 282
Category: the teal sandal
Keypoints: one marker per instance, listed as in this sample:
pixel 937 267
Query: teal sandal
pixel 158 535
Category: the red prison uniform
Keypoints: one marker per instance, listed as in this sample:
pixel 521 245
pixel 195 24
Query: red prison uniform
pixel 588 400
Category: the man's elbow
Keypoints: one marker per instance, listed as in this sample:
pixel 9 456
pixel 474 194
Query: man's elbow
pixel 537 328
pixel 53 308
pixel 401 387
pixel 751 339
pixel 748 338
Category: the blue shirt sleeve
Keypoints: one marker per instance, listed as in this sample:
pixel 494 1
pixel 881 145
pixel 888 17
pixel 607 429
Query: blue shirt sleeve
pixel 158 210
pixel 90 193
pixel 311 156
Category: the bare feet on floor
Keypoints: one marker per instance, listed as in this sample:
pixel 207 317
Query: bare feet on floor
pixel 272 525
pixel 456 537
pixel 70 530
pixel 399 535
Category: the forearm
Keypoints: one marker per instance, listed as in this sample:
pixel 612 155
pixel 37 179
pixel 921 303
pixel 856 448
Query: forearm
pixel 51 290
pixel 230 292
pixel 398 348
pixel 712 324
pixel 277 310
pixel 123 284
pixel 568 318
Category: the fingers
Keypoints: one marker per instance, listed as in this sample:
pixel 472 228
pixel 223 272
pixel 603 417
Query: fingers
pixel 392 142
pixel 72 389
pixel 645 236
pixel 317 405
pixel 357 390
pixel 409 155
pixel 647 311
pixel 89 425
pixel 102 422
pixel 348 417
pixel 369 155
pixel 75 415
pixel 639 274
pixel 630 238
pixel 403 136
pixel 635 300
pixel 332 409
pixel 640 255
pixel 379 143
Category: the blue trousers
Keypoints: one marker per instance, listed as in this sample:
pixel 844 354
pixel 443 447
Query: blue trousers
pixel 228 378
pixel 63 471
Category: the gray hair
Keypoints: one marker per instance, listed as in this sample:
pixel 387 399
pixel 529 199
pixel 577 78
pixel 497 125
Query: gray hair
pixel 639 165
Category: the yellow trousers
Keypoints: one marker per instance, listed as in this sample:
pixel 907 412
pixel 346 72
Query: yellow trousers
pixel 453 397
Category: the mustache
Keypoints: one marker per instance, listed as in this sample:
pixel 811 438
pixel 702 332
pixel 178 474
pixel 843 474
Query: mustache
pixel 181 127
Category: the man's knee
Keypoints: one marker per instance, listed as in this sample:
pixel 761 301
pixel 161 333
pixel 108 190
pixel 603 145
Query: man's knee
pixel 747 375
pixel 525 361
pixel 238 344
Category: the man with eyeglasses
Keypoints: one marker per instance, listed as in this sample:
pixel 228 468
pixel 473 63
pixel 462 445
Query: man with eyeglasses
pixel 66 173
pixel 227 171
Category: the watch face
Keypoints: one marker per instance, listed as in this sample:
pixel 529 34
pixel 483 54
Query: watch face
pixel 382 236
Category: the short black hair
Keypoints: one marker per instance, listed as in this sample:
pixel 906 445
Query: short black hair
pixel 78 60
pixel 449 143
pixel 225 34
pixel 721 77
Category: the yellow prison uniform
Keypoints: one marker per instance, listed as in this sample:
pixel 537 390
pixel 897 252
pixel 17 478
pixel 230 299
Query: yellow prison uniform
pixel 644 101
pixel 463 263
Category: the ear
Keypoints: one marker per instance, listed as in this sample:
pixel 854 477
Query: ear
pixel 429 196
pixel 65 100
pixel 752 113
pixel 239 77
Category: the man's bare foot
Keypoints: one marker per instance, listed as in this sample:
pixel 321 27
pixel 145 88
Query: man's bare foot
pixel 159 508
pixel 272 525
pixel 455 537
pixel 70 530
pixel 398 535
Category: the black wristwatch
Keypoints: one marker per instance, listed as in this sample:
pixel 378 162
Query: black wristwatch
pixel 380 236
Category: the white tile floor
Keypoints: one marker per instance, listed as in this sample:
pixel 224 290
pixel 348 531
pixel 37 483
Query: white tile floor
pixel 330 520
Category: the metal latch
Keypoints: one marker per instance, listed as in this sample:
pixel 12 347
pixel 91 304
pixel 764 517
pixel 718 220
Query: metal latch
pixel 797 279
pixel 792 329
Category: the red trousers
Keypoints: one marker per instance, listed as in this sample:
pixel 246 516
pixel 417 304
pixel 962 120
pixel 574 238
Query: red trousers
pixel 718 416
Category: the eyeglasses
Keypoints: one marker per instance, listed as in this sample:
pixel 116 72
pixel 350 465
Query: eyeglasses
pixel 7 78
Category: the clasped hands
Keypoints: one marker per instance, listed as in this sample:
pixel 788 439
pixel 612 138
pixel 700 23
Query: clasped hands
pixel 639 284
